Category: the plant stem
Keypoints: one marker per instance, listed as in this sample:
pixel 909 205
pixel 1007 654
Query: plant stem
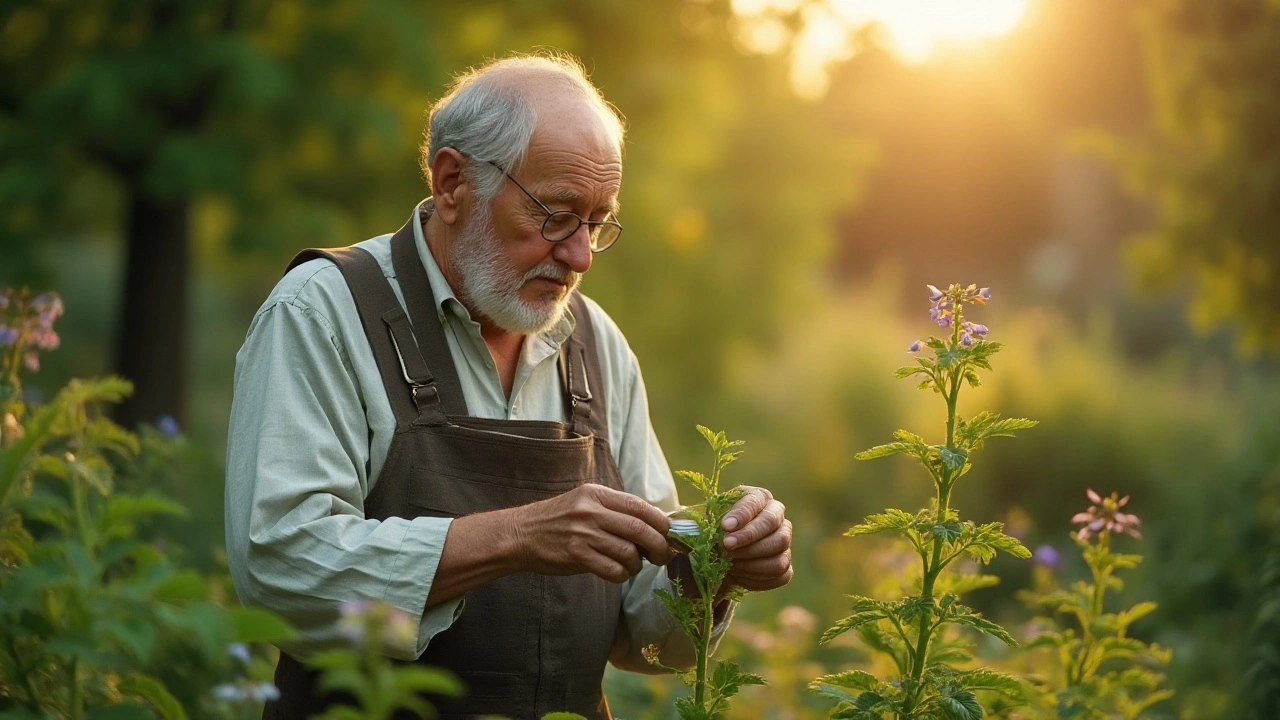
pixel 77 693
pixel 703 651
pixel 932 568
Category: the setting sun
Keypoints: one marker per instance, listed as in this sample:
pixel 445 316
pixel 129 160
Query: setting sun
pixel 915 29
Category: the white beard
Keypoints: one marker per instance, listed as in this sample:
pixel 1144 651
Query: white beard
pixel 491 286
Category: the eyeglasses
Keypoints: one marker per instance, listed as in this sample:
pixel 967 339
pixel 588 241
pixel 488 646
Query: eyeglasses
pixel 562 224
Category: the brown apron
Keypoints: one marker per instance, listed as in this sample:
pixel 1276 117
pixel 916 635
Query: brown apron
pixel 525 644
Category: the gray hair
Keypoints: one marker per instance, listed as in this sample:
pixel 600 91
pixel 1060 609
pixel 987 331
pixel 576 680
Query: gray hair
pixel 488 116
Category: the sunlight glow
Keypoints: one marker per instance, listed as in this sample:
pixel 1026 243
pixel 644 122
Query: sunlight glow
pixel 917 28
pixel 914 30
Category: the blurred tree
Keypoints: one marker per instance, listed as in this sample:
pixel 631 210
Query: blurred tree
pixel 1213 170
pixel 288 112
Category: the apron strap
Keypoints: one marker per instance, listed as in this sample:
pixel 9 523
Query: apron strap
pixel 579 363
pixel 408 381
pixel 424 316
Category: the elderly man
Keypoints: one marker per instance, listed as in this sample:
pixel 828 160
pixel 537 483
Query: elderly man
pixel 438 420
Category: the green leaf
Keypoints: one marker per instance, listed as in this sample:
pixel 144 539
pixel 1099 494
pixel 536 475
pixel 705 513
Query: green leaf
pixel 689 710
pixel 181 588
pixel 17 457
pixel 880 451
pixel 697 479
pixel 1126 618
pixel 419 678
pixel 134 634
pixel 728 678
pixel 961 705
pixel 891 519
pixel 121 511
pixel 968 618
pixel 153 691
pixel 947 531
pixel 953 460
pixel 991 680
pixel 335 659
pixel 250 625
pixel 852 679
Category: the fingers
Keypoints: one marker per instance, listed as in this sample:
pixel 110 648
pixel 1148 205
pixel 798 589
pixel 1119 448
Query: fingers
pixel 775 543
pixel 637 534
pixel 629 504
pixel 762 573
pixel 630 526
pixel 747 508
pixel 765 523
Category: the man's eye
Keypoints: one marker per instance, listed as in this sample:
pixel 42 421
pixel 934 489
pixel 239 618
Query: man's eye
pixel 561 221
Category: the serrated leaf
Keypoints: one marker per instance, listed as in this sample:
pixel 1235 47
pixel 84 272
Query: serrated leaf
pixel 1126 618
pixel 880 451
pixel 991 680
pixel 961 705
pixel 969 618
pixel 696 479
pixel 953 459
pixel 946 531
pixel 891 519
pixel 852 679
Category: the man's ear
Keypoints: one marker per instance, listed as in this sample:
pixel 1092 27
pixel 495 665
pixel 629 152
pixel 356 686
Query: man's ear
pixel 449 188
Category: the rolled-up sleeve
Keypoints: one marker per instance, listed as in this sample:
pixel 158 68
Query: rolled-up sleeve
pixel 298 470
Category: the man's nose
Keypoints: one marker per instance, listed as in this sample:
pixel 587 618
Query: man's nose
pixel 575 250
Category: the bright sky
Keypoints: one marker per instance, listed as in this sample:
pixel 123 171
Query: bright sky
pixel 912 29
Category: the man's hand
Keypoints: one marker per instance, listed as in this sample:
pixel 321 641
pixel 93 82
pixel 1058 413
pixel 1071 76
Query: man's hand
pixel 590 529
pixel 759 542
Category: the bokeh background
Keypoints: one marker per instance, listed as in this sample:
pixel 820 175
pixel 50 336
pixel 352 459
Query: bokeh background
pixel 796 172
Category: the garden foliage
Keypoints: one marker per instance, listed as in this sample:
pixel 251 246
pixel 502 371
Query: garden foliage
pixel 910 630
pixel 1102 672
pixel 95 620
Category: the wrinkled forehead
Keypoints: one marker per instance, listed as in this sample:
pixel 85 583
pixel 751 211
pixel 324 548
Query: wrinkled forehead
pixel 574 153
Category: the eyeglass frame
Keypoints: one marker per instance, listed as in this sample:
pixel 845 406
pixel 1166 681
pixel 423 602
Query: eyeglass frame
pixel 552 213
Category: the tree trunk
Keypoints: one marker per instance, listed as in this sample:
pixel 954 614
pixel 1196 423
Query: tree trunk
pixel 152 339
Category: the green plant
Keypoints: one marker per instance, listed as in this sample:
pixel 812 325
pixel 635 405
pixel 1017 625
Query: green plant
pixel 379 686
pixel 694 607
pixel 910 630
pixel 1104 674
pixel 92 616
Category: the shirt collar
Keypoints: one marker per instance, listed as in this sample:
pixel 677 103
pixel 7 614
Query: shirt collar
pixel 447 301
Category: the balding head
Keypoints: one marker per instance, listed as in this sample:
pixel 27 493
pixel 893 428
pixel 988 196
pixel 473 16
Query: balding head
pixel 491 113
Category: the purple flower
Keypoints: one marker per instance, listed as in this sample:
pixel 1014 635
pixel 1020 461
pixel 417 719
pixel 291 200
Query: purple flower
pixel 168 426
pixel 1046 556
pixel 1104 518
pixel 915 347
pixel 934 293
pixel 8 336
pixel 966 339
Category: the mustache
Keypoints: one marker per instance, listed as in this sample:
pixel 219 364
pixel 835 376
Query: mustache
pixel 553 271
